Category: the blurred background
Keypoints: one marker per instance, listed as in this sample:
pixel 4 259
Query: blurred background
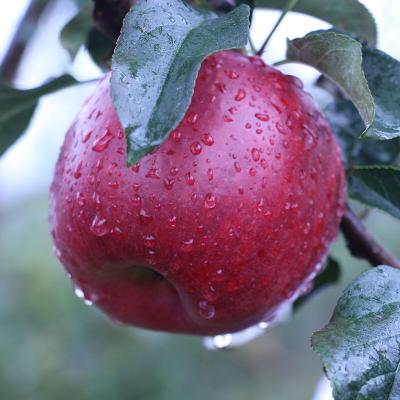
pixel 52 346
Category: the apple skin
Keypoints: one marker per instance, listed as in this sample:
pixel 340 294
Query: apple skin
pixel 217 228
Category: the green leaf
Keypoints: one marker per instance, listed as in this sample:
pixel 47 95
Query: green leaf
pixel 156 62
pixel 377 186
pixel 360 347
pixel 329 276
pixel 347 15
pixel 339 57
pixel 383 75
pixel 75 33
pixel 17 107
pixel 347 125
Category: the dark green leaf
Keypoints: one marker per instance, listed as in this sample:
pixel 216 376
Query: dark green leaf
pixel 329 276
pixel 17 107
pixel 339 57
pixel 347 125
pixel 75 33
pixel 347 15
pixel 383 75
pixel 377 186
pixel 100 48
pixel 157 59
pixel 360 347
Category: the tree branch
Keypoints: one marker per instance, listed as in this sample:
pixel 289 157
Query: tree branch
pixel 18 44
pixel 362 244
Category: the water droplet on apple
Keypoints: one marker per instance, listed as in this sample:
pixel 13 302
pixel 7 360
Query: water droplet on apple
pixel 237 166
pixel 195 148
pixel 169 183
pixel 102 142
pixel 210 174
pixel 187 245
pixel 192 118
pixel 209 201
pixel 149 240
pixel 252 172
pixel 86 136
pixel 207 139
pixel 240 95
pixel 206 309
pixel 153 174
pixel 172 222
pixel 189 178
pixel 176 136
pixel 99 226
pixel 262 117
pixel 255 153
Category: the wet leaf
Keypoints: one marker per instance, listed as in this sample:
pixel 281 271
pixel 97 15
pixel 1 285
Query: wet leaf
pixel 156 62
pixel 17 107
pixel 360 346
pixel 383 74
pixel 377 186
pixel 347 125
pixel 339 57
pixel 75 33
pixel 347 15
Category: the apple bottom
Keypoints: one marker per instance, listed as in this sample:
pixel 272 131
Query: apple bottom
pixel 139 295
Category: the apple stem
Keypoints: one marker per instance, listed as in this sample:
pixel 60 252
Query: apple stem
pixel 289 5
pixel 362 244
pixel 252 47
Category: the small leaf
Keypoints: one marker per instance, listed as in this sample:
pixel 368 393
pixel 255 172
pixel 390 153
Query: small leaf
pixel 339 57
pixel 360 347
pixel 17 107
pixel 75 33
pixel 156 62
pixel 329 276
pixel 347 15
pixel 347 125
pixel 377 186
pixel 383 75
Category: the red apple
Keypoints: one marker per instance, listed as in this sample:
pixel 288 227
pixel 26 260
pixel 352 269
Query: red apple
pixel 228 219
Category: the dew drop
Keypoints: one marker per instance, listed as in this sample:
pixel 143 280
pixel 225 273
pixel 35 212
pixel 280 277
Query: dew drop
pixel 195 148
pixel 187 245
pixel 149 240
pixel 169 183
pixel 174 170
pixel 99 226
pixel 86 136
pixel 207 139
pixel 209 201
pixel 153 174
pixel 248 125
pixel 189 178
pixel 255 153
pixel 192 118
pixel 240 95
pixel 172 222
pixel 102 142
pixel 210 174
pixel 206 309
pixel 231 74
pixel 237 166
pixel 252 172
pixel 262 117
pixel 176 136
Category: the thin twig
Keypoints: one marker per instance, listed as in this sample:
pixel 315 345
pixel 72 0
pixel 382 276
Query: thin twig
pixel 362 244
pixel 23 34
pixel 290 4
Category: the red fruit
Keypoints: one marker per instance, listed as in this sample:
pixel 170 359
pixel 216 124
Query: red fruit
pixel 218 227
